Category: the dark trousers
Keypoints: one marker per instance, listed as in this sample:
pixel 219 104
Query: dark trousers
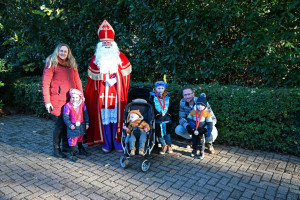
pixel 158 130
pixel 198 140
pixel 60 133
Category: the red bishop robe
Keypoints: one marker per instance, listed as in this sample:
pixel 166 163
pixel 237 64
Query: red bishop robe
pixel 95 98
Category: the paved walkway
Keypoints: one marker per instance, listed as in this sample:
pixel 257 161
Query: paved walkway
pixel 28 171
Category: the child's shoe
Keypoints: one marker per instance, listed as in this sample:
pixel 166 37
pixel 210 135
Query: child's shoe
pixel 201 156
pixel 163 150
pixel 193 153
pixel 132 153
pixel 141 152
pixel 82 151
pixel 169 149
pixel 190 144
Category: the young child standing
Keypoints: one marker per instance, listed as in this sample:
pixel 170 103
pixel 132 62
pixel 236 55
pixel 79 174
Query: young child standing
pixel 198 118
pixel 136 126
pixel 163 123
pixel 77 120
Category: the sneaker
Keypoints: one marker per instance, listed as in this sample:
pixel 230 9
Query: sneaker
pixel 193 153
pixel 189 145
pixel 132 152
pixel 201 156
pixel 141 152
pixel 210 148
pixel 163 150
pixel 169 149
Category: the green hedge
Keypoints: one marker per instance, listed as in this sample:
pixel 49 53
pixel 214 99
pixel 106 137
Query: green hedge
pixel 266 119
pixel 249 43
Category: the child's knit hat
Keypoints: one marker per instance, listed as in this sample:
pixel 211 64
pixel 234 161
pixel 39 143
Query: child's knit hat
pixel 202 101
pixel 160 83
pixel 73 91
pixel 135 112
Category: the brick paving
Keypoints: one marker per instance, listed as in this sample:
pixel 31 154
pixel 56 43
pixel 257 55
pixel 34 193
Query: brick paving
pixel 28 171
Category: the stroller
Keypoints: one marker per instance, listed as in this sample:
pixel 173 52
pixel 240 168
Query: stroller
pixel 138 97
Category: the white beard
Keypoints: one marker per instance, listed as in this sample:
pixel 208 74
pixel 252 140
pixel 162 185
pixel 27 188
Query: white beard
pixel 107 59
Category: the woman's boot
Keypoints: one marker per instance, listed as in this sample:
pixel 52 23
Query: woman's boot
pixel 73 154
pixel 56 145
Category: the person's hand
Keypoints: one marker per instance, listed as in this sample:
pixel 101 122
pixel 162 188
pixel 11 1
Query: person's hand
pixel 125 128
pixel 201 130
pixel 145 129
pixel 72 127
pixel 49 107
pixel 189 129
pixel 87 127
pixel 111 81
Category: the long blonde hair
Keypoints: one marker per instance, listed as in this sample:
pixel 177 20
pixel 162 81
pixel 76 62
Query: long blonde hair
pixel 52 59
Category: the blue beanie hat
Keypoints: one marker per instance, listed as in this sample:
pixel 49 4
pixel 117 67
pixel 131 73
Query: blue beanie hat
pixel 202 101
pixel 161 83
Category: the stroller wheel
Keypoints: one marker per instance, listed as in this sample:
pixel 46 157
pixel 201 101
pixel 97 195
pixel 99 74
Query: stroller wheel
pixel 124 161
pixel 145 165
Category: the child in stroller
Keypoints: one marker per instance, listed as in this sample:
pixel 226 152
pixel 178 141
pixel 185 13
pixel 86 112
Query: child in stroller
pixel 138 97
pixel 137 128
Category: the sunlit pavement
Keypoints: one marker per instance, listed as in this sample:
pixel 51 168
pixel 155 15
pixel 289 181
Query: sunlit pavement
pixel 28 170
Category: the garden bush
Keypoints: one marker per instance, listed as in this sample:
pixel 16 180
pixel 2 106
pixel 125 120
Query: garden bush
pixel 248 43
pixel 253 118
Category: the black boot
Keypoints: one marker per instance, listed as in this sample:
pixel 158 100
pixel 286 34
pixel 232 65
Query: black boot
pixel 66 149
pixel 57 134
pixel 82 150
pixel 56 145
pixel 58 154
pixel 73 154
pixel 65 144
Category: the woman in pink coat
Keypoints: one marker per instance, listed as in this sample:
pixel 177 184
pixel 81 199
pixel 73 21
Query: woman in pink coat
pixel 60 75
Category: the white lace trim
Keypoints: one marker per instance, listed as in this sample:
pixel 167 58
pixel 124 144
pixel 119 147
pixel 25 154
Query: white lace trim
pixel 109 115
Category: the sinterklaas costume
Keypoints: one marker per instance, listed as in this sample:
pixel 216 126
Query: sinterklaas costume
pixel 106 103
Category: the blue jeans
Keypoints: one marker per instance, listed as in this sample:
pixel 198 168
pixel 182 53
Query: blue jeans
pixel 142 141
pixel 166 140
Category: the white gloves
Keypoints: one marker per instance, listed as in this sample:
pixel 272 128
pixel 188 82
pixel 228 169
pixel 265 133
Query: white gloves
pixel 49 107
pixel 111 81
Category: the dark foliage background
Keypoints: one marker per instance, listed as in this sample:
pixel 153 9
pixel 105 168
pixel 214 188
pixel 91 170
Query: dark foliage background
pixel 247 43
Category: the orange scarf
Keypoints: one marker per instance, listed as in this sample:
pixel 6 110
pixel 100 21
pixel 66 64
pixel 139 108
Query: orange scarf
pixel 65 63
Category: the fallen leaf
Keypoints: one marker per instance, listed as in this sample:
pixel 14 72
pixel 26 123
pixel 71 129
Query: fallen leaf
pixel 164 161
pixel 80 172
pixel 295 142
pixel 34 131
pixel 172 171
pixel 107 165
pixel 51 163
pixel 49 158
